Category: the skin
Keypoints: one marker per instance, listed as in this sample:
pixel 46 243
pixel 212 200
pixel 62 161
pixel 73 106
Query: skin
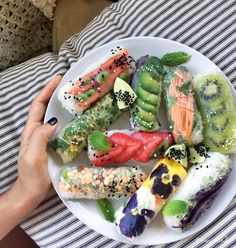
pixel 33 183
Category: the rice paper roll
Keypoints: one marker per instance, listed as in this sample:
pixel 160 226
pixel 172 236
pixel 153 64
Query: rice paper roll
pixel 130 145
pixel 73 137
pixel 143 206
pixel 217 108
pixel 147 85
pixel 197 192
pixel 97 183
pixel 79 94
pixel 184 119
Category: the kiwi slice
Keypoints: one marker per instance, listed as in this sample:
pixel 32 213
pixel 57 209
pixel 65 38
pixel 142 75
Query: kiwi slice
pixel 212 88
pixel 213 95
pixel 216 109
pixel 223 123
pixel 216 106
pixel 222 141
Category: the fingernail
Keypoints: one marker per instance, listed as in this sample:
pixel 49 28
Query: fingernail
pixel 61 74
pixel 52 121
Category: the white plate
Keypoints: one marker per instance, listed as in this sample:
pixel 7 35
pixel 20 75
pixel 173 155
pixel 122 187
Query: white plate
pixel 85 210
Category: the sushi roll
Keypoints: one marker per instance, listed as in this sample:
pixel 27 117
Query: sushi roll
pixel 183 116
pixel 143 206
pixel 96 183
pixel 197 192
pixel 79 94
pixel 73 137
pixel 126 145
pixel 216 105
pixel 147 85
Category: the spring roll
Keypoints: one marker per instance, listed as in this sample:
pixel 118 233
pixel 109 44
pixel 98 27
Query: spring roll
pixel 96 183
pixel 130 145
pixel 144 205
pixel 147 85
pixel 78 95
pixel 183 116
pixel 197 192
pixel 73 137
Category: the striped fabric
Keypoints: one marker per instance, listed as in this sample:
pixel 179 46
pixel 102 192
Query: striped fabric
pixel 208 26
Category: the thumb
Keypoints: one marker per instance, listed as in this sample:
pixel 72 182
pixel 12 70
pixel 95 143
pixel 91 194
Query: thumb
pixel 42 134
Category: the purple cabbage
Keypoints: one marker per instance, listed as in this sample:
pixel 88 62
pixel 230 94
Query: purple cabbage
pixel 140 62
pixel 204 199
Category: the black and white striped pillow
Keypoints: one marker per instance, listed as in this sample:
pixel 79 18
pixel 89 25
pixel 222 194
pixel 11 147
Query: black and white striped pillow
pixel 208 26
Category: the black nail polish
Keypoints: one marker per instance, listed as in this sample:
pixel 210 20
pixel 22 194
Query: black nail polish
pixel 61 74
pixel 52 121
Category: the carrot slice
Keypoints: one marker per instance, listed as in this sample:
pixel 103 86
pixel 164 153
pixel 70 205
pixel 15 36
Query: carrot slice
pixel 181 112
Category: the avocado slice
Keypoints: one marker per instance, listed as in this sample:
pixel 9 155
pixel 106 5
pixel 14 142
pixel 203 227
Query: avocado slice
pixel 146 126
pixel 146 106
pixel 146 96
pixel 149 84
pixel 146 116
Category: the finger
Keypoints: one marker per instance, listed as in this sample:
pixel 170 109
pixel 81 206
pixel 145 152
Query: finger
pixel 40 137
pixel 37 110
pixel 39 104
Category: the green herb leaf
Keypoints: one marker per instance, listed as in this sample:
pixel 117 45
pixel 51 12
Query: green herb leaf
pixel 175 58
pixel 174 207
pixel 99 141
pixel 171 100
pixel 185 88
pixel 64 173
pixel 107 209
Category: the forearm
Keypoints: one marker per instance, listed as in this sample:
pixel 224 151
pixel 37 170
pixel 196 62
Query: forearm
pixel 15 205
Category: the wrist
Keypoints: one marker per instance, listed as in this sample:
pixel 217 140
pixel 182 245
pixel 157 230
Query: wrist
pixel 15 205
pixel 23 197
